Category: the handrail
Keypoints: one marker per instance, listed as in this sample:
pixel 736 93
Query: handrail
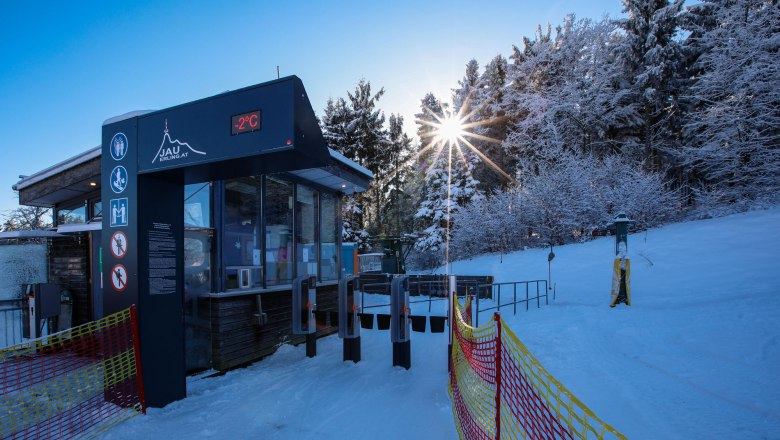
pixel 515 301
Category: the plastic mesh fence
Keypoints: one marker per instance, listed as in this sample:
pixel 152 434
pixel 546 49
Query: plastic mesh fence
pixel 499 389
pixel 73 384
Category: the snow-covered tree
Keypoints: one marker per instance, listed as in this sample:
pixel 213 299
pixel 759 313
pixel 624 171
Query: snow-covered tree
pixel 398 185
pixel 733 127
pixel 355 128
pixel 652 61
pixel 26 218
pixel 352 230
pixel 490 112
pixel 562 203
pixel 440 195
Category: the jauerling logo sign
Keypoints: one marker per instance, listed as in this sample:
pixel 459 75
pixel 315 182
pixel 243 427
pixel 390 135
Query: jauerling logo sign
pixel 171 149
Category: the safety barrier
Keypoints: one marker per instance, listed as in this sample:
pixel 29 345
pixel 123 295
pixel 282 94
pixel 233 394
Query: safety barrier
pixel 494 291
pixel 499 390
pixel 73 384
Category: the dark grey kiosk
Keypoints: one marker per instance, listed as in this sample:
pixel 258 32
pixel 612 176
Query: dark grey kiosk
pixel 203 215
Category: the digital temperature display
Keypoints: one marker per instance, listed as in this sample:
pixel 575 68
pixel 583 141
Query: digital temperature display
pixel 245 122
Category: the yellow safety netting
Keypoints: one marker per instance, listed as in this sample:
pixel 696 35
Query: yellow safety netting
pixel 500 390
pixel 73 384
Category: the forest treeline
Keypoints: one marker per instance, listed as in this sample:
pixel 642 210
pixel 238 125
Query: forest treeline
pixel 668 112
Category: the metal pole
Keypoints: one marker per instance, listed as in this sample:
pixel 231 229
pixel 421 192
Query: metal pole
pixel 546 294
pixel 476 318
pixel 497 318
pixel 451 318
pixel 526 296
pixel 537 295
pixel 514 297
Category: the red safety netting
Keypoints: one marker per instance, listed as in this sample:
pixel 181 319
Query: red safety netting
pixel 499 390
pixel 73 384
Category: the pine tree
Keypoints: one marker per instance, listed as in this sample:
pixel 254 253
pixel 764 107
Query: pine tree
pixel 355 128
pixel 448 181
pixel 652 60
pixel 733 126
pixel 490 111
pixel 398 218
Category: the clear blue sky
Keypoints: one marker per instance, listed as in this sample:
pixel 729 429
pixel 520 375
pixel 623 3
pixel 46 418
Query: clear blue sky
pixel 65 67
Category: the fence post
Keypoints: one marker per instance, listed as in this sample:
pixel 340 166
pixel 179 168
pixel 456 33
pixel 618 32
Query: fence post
pixel 476 318
pixel 537 295
pixel 137 351
pixel 497 317
pixel 499 298
pixel 546 293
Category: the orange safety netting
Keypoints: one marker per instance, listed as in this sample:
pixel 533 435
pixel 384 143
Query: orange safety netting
pixel 73 384
pixel 499 389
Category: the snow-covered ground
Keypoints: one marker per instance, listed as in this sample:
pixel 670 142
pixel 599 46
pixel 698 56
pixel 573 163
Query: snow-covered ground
pixel 696 356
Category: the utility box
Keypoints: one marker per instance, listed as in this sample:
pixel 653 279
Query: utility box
pixel 350 307
pixel 621 222
pixel 621 268
pixel 399 321
pixel 43 302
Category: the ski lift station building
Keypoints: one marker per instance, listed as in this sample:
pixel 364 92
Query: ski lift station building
pixel 202 215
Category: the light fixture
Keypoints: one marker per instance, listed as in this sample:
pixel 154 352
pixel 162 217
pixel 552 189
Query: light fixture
pixel 343 185
pixel 92 184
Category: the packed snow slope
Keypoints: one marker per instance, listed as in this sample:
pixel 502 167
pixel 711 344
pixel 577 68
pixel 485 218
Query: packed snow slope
pixel 697 355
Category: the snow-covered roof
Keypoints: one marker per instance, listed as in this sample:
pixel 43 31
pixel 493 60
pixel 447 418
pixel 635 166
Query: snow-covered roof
pixel 28 234
pixel 127 115
pixel 58 168
pixel 343 159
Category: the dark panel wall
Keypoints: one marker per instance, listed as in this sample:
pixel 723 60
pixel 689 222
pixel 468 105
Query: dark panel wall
pixel 69 267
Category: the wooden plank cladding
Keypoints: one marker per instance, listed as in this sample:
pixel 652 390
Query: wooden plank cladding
pixel 237 338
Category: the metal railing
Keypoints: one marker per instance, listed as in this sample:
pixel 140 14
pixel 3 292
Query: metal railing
pixel 495 290
pixel 11 315
pixel 435 289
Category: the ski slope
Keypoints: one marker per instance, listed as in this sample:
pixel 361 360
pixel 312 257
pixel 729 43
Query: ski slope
pixel 697 355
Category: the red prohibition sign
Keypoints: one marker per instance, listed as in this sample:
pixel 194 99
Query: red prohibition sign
pixel 119 277
pixel 118 244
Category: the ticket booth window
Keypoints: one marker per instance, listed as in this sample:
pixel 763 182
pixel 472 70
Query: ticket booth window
pixel 306 230
pixel 241 245
pixel 278 231
pixel 329 228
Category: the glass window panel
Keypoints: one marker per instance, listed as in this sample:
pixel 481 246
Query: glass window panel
pixel 197 205
pixel 329 262
pixel 278 231
pixel 306 224
pixel 197 282
pixel 97 209
pixel 197 263
pixel 241 233
pixel 72 216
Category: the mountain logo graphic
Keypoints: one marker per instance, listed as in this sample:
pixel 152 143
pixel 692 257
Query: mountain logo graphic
pixel 171 149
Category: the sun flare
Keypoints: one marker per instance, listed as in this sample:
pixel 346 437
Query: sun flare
pixel 450 129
